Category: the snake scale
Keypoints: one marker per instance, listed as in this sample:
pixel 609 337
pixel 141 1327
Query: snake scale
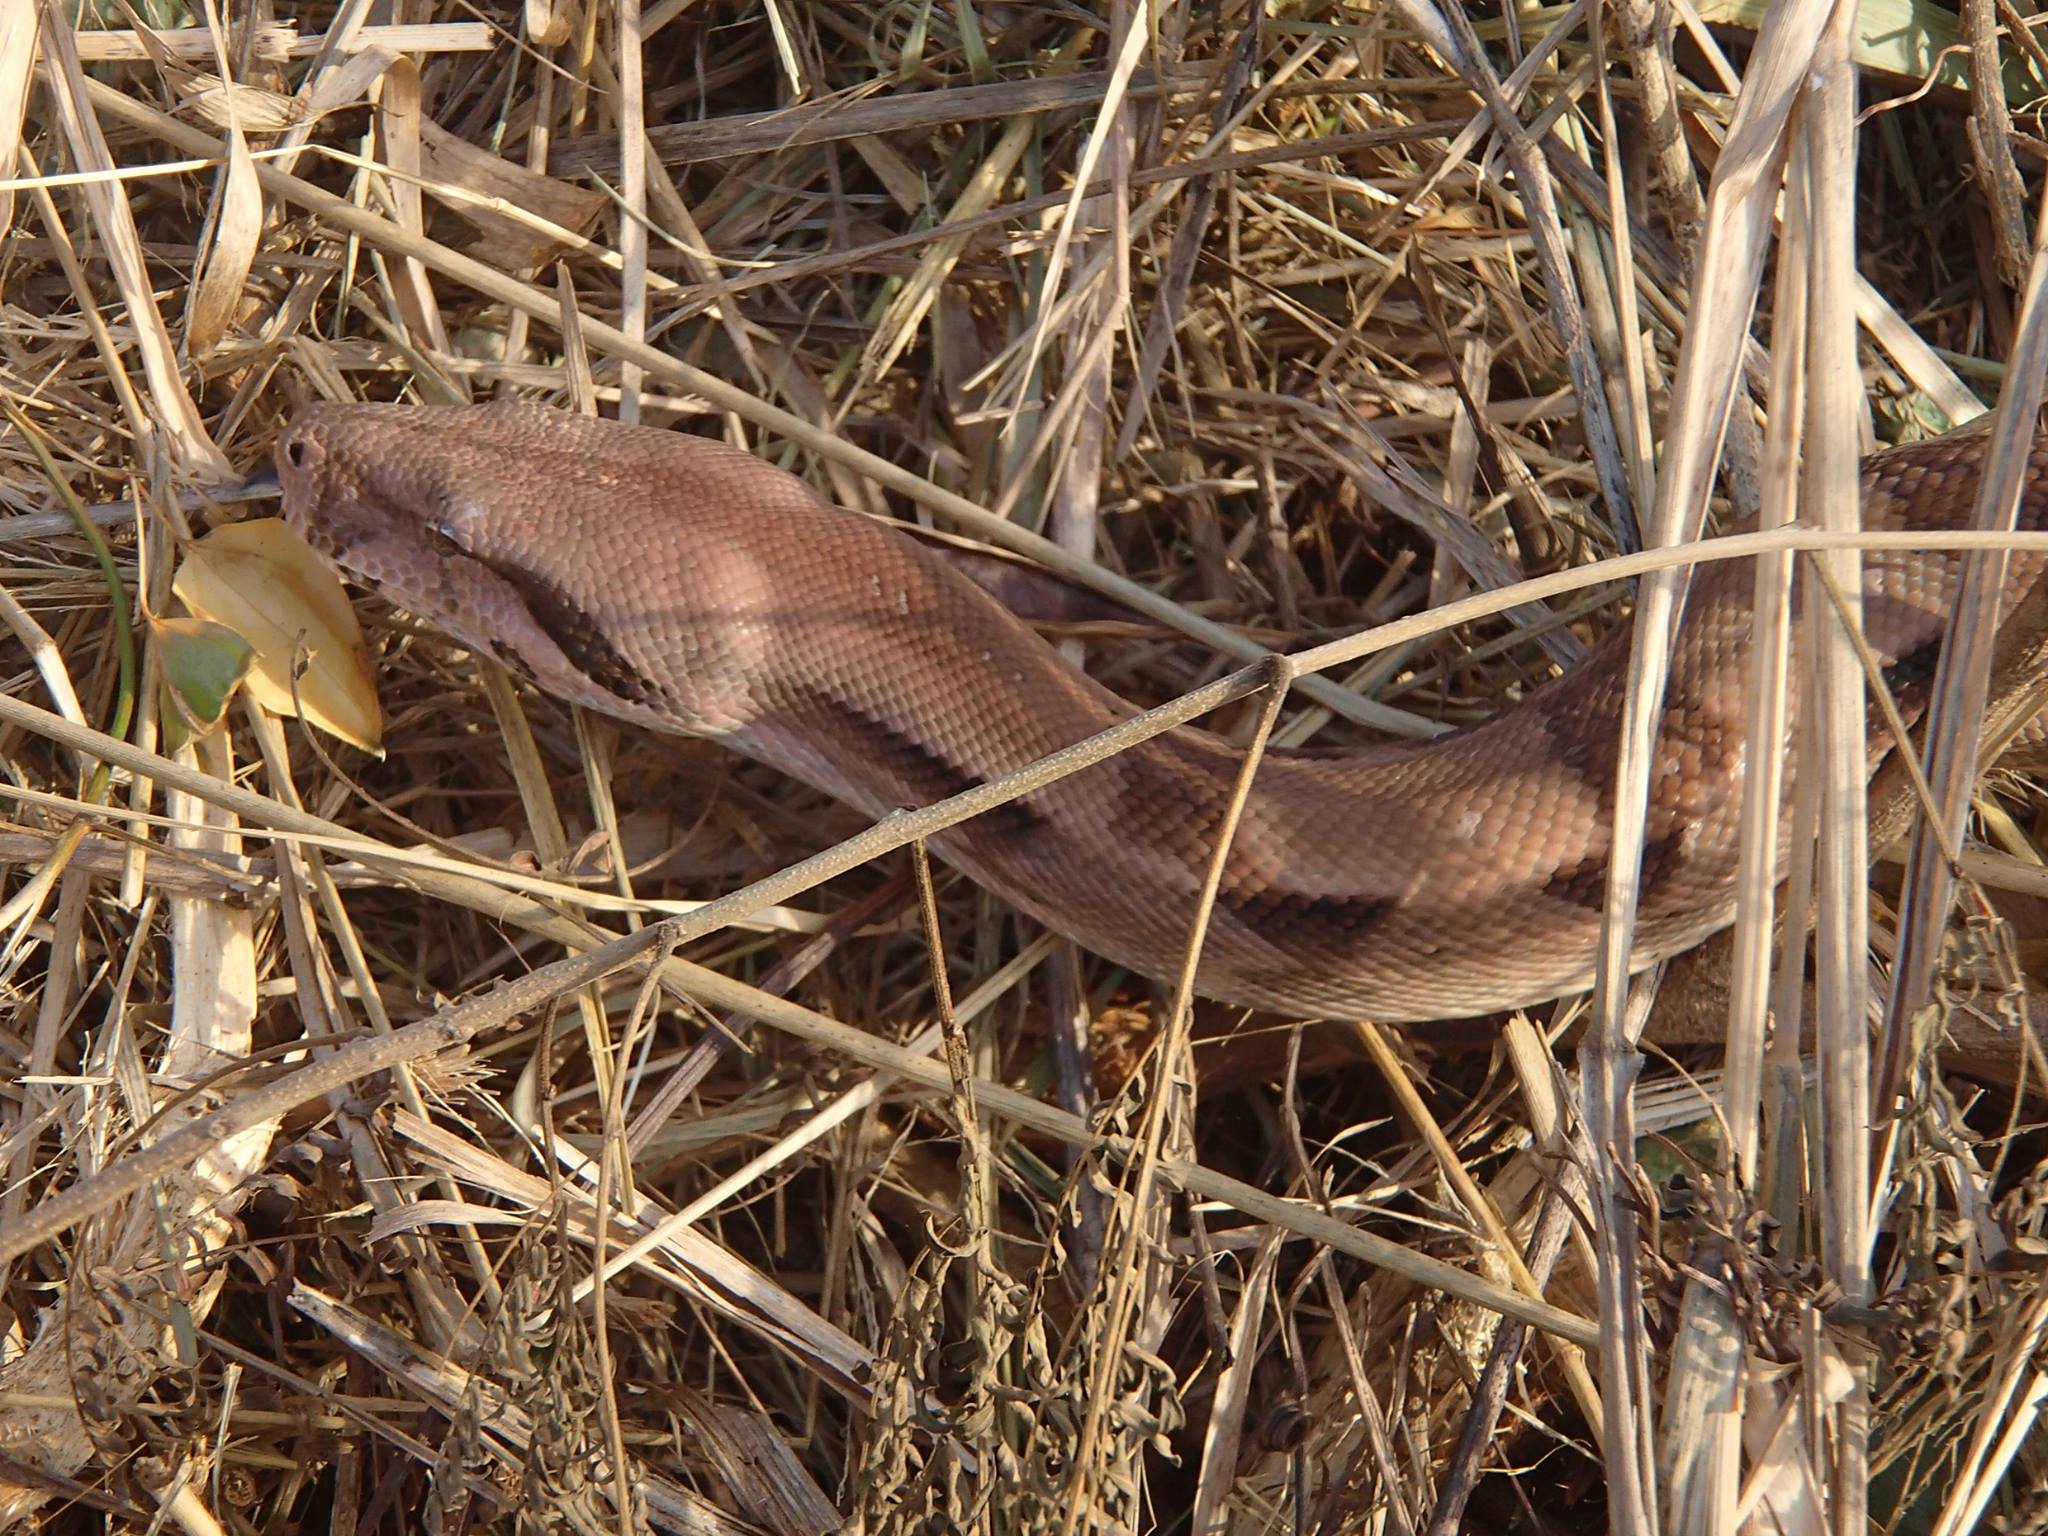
pixel 686 586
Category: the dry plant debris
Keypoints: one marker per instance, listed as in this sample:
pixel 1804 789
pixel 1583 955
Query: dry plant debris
pixel 1276 321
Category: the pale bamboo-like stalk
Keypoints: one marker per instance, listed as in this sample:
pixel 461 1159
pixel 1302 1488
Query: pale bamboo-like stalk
pixel 1829 498
pixel 1739 215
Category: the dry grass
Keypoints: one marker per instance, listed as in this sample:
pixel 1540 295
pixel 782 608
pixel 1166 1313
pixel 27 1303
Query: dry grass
pixel 1267 326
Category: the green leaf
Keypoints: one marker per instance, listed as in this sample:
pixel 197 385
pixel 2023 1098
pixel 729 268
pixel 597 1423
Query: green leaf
pixel 202 664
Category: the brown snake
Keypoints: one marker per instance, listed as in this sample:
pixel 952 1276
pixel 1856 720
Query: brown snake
pixel 686 586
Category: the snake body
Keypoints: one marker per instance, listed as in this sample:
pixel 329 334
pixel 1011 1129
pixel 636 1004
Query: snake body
pixel 686 586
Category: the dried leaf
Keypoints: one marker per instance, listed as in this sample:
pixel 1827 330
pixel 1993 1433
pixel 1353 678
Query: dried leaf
pixel 247 107
pixel 260 580
pixel 17 55
pixel 345 84
pixel 547 24
pixel 449 162
pixel 236 226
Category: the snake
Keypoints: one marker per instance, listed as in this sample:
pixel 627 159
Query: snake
pixel 686 586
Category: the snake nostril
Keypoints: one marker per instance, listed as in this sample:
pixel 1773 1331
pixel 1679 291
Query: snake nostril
pixel 295 450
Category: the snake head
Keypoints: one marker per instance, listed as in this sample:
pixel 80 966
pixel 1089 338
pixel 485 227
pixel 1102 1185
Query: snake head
pixel 415 503
pixel 361 489
pixel 358 488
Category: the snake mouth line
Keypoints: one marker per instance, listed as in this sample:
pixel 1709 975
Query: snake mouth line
pixel 576 634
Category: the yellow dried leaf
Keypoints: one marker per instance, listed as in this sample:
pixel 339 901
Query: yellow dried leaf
pixel 261 581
